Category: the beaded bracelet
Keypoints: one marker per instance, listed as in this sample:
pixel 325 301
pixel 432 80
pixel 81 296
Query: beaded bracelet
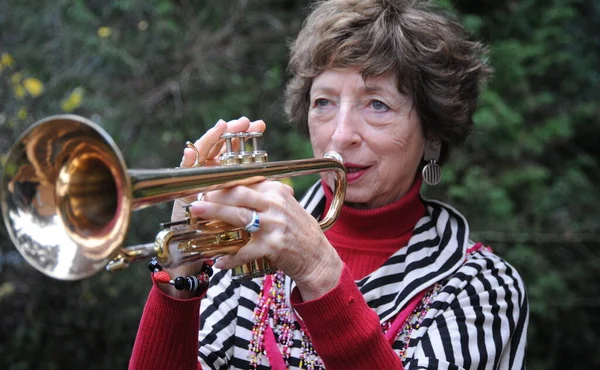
pixel 196 283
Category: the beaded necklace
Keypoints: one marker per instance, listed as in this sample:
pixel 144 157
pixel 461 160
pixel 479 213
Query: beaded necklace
pixel 273 314
pixel 413 321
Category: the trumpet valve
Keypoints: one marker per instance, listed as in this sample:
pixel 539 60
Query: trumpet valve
pixel 258 155
pixel 230 156
pixel 244 155
pixel 250 151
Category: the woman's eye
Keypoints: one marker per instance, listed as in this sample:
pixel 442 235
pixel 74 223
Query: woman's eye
pixel 321 102
pixel 377 105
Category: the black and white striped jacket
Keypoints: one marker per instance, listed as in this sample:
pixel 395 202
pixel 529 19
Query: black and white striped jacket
pixel 478 319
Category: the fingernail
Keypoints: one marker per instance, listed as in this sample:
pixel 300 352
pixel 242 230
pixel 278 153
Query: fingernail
pixel 198 208
pixel 219 121
pixel 219 264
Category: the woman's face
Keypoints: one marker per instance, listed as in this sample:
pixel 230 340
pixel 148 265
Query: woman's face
pixel 374 127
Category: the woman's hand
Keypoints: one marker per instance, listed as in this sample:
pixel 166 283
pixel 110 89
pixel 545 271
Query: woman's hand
pixel 209 147
pixel 288 236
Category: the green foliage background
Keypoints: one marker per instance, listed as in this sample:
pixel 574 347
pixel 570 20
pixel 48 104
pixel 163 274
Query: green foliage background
pixel 155 73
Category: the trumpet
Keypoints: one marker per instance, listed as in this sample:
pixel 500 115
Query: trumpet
pixel 67 199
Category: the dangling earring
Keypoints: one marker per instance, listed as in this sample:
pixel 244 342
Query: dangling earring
pixel 432 173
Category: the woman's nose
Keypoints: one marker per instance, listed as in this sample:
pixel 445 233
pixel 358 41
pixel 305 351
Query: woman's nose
pixel 347 127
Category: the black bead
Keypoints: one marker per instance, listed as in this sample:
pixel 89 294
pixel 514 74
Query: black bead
pixel 180 283
pixel 154 266
pixel 207 270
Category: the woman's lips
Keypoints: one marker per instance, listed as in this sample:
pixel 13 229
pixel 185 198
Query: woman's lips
pixel 354 172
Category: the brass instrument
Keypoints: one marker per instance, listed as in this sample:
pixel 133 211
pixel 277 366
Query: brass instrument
pixel 67 198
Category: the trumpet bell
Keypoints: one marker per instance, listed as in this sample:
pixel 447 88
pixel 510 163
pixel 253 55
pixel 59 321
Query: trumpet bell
pixel 66 197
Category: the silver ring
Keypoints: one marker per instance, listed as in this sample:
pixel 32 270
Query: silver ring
pixel 254 225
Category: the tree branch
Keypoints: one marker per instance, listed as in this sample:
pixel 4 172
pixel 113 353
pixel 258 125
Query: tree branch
pixel 203 48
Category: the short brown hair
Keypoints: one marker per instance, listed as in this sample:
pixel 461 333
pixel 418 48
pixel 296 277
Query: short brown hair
pixel 429 52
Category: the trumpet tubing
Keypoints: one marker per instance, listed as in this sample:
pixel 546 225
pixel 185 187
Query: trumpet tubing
pixel 67 198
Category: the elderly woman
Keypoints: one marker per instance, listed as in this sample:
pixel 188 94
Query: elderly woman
pixel 396 283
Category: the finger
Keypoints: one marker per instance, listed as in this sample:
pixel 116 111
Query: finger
pixel 189 158
pixel 247 253
pixel 260 196
pixel 180 205
pixel 238 125
pixel 257 126
pixel 269 186
pixel 206 143
pixel 288 188
pixel 216 144
pixel 216 149
pixel 236 216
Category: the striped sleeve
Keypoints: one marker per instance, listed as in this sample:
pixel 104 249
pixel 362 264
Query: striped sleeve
pixel 218 313
pixel 478 320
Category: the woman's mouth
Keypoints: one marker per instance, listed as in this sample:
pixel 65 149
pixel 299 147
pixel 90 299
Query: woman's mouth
pixel 354 172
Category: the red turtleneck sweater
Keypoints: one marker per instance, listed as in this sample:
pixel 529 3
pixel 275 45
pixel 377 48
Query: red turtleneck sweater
pixel 366 238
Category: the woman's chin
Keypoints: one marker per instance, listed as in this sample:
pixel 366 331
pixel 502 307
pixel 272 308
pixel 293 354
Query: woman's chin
pixel 356 201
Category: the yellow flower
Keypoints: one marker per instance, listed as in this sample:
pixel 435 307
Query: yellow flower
pixel 73 100
pixel 22 114
pixel 19 92
pixel 104 32
pixel 33 86
pixel 6 290
pixel 7 60
pixel 16 78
